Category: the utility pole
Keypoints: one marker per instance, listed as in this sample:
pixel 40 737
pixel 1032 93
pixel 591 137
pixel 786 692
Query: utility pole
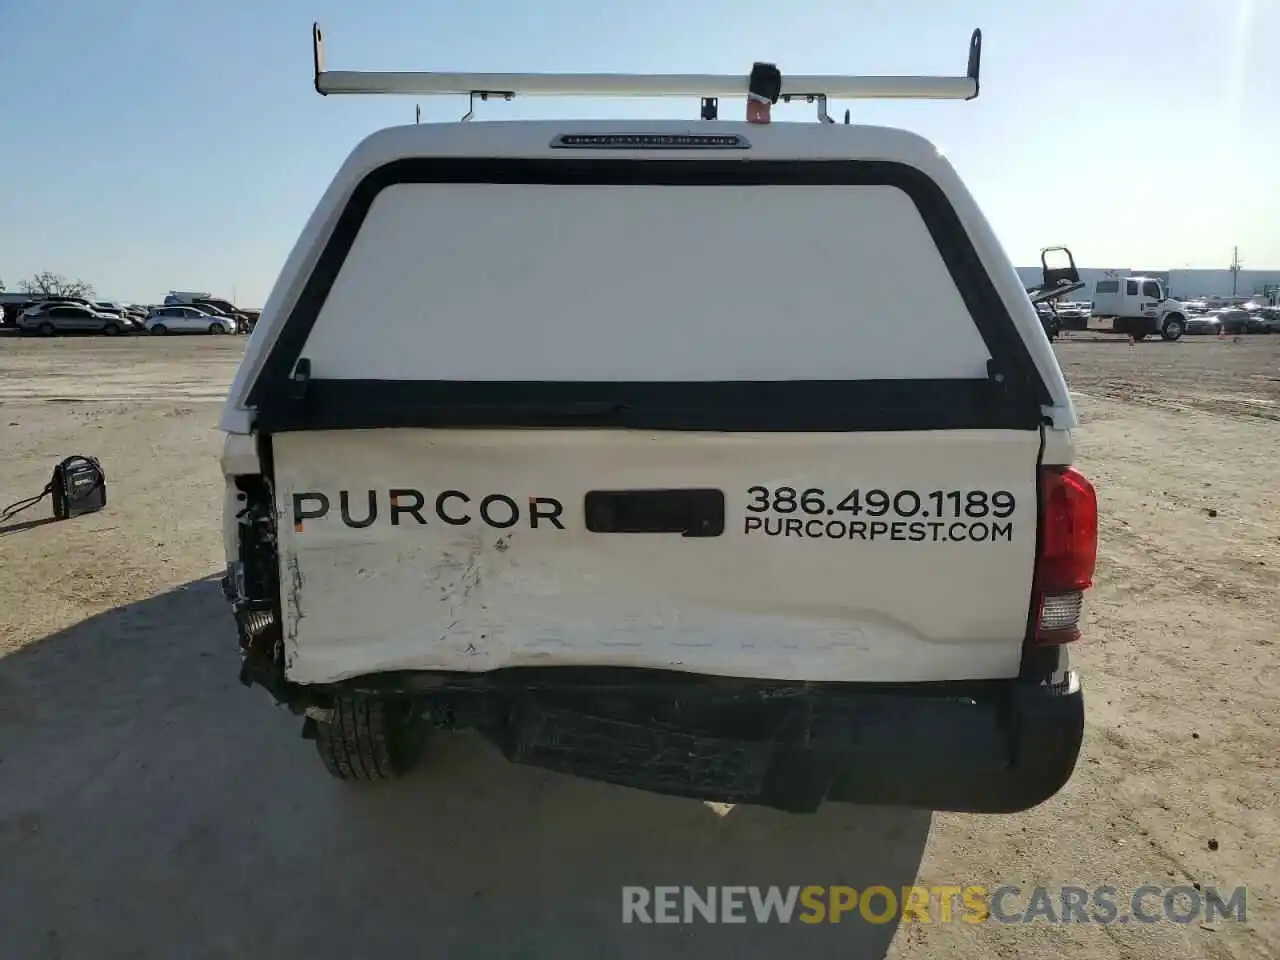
pixel 1235 269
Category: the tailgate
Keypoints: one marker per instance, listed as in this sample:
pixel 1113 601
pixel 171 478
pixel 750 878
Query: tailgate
pixel 878 556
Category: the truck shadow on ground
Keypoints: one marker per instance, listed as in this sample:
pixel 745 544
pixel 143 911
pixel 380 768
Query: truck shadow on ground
pixel 151 806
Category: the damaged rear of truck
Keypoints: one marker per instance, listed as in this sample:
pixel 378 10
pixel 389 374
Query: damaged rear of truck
pixel 621 444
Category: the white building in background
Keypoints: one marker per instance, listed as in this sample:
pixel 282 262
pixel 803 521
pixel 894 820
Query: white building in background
pixel 1217 283
pixel 1183 284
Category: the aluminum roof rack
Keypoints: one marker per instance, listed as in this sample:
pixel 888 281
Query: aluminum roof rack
pixel 707 86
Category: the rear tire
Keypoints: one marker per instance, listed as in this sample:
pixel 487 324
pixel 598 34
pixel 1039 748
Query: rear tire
pixel 159 330
pixel 370 738
pixel 1173 329
pixel 46 329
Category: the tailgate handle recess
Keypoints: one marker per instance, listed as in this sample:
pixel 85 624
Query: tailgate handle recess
pixel 690 513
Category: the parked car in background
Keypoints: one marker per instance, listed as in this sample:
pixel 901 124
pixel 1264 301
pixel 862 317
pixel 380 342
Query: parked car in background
pixel 1234 321
pixel 214 310
pixel 13 305
pixel 210 304
pixel 1203 324
pixel 1074 315
pixel 38 301
pixel 43 306
pixel 224 306
pixel 191 298
pixel 171 319
pixel 66 317
pixel 1263 320
pixel 235 316
pixel 109 306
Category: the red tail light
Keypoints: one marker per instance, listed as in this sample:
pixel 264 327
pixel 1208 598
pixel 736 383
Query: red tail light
pixel 1068 551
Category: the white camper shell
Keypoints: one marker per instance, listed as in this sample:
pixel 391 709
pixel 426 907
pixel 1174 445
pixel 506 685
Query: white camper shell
pixel 725 460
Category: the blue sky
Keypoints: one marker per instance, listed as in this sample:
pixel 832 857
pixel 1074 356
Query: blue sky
pixel 156 144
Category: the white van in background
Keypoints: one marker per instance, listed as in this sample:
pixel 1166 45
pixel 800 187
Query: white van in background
pixel 1137 306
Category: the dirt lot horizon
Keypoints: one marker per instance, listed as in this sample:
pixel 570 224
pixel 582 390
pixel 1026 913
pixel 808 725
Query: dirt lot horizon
pixel 152 807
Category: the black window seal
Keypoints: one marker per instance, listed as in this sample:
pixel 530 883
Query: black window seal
pixel 271 391
pixel 817 406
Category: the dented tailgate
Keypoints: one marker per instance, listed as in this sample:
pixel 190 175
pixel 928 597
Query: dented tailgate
pixel 882 556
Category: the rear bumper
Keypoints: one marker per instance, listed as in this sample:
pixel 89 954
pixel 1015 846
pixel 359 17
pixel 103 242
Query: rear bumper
pixel 995 757
pixel 982 747
pixel 990 746
pixel 1002 751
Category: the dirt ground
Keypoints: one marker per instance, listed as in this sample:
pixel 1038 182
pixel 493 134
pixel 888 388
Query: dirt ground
pixel 152 807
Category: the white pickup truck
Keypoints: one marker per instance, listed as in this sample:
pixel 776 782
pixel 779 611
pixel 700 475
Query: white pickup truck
pixel 592 437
